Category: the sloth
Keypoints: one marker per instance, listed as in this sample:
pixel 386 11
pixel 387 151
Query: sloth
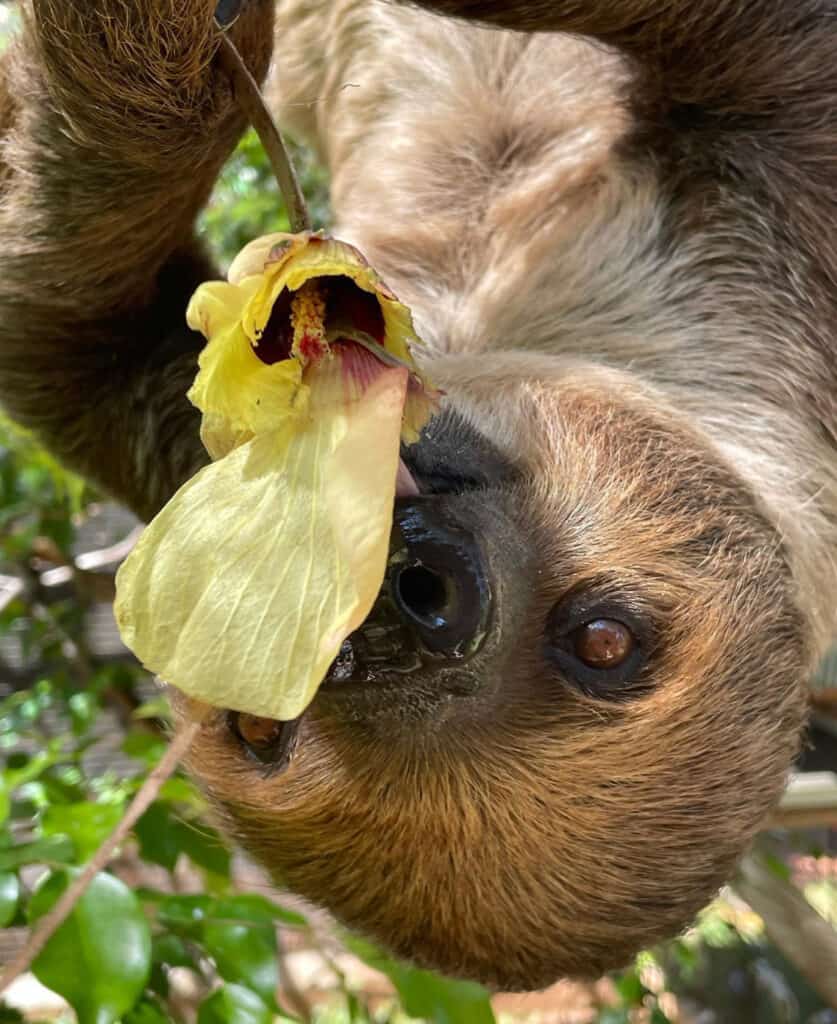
pixel 578 696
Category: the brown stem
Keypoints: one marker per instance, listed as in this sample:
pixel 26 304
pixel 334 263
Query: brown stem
pixel 139 805
pixel 249 98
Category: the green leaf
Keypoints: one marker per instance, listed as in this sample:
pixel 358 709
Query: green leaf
pixel 182 791
pixel 84 709
pixel 144 746
pixel 146 1012
pixel 157 708
pixel 776 866
pixel 234 1004
pixel 32 768
pixel 159 840
pixel 203 845
pixel 100 958
pixel 428 996
pixel 184 915
pixel 630 988
pixel 251 907
pixel 50 850
pixel 5 803
pixel 86 824
pixel 9 897
pixel 171 951
pixel 11 1015
pixel 245 954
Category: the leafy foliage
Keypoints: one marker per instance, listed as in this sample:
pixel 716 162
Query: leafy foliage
pixel 100 957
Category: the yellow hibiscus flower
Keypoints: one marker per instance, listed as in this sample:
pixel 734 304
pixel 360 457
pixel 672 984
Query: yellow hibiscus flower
pixel 242 590
pixel 261 342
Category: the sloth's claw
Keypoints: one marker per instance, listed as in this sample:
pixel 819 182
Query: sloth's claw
pixel 227 12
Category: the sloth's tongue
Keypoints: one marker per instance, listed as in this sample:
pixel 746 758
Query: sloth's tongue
pixel 405 485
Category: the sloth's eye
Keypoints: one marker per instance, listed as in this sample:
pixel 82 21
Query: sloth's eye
pixel 599 648
pixel 265 740
pixel 603 643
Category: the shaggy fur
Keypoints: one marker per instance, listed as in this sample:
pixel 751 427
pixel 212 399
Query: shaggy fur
pixel 618 252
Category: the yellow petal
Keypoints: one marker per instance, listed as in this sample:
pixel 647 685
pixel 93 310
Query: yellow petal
pixel 216 306
pixel 243 588
pixel 270 249
pixel 238 394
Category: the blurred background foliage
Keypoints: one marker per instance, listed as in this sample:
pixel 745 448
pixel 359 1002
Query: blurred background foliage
pixel 247 203
pixel 181 928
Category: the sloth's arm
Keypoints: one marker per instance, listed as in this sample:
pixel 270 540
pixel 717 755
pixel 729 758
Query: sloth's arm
pixel 116 122
pixel 736 56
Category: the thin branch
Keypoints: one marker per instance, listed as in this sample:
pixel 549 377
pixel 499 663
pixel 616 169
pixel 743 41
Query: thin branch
pixel 142 801
pixel 249 98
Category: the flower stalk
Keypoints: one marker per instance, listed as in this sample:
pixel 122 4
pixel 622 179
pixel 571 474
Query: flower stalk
pixel 249 98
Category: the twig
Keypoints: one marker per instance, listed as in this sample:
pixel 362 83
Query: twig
pixel 139 805
pixel 249 98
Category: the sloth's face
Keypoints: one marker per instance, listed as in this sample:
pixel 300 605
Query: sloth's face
pixel 571 709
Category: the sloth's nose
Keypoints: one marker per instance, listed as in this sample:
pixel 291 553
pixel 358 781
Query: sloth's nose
pixel 438 580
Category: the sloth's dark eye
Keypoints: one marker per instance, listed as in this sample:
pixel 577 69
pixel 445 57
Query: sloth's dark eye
pixel 603 643
pixel 601 648
pixel 265 740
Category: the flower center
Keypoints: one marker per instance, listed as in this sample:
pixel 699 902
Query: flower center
pixel 331 307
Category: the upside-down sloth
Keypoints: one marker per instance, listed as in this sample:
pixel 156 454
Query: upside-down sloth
pixel 612 219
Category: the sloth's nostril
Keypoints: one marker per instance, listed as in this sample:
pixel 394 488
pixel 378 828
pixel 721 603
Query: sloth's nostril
pixel 423 595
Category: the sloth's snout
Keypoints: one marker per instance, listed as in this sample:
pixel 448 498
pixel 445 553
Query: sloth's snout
pixel 434 607
pixel 437 580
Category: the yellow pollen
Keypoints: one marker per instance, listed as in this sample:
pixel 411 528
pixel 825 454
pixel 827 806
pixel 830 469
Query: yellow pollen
pixel 308 309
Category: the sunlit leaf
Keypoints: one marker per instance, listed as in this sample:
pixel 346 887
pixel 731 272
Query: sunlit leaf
pixel 204 847
pixel 163 837
pixel 184 915
pixel 252 907
pixel 159 841
pixel 146 1012
pixel 426 995
pixel 100 958
pixel 234 1004
pixel 86 824
pixel 245 954
pixel 50 850
pixel 9 897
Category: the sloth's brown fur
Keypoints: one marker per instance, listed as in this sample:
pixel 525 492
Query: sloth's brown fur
pixel 620 258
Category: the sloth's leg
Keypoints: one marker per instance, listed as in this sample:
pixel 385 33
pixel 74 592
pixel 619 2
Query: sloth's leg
pixel 116 121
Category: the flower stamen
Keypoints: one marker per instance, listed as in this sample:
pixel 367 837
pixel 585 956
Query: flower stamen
pixel 308 309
